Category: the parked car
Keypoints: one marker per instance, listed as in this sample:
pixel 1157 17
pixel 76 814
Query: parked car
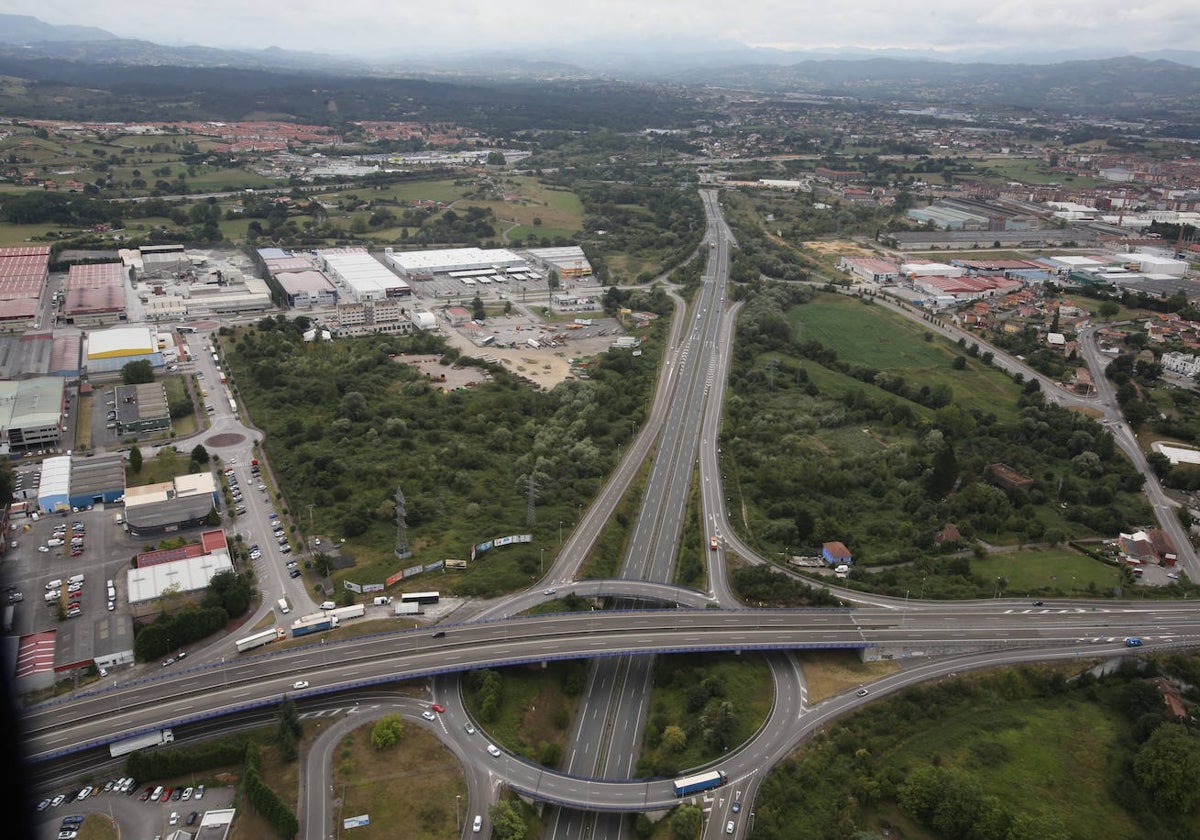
pixel 187 794
pixel 294 573
pixel 192 817
pixel 200 791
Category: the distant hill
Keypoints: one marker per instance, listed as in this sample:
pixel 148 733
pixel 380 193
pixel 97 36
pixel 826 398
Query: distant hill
pixel 23 29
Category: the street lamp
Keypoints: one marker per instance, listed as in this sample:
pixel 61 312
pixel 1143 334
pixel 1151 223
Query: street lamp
pixel 541 562
pixel 560 532
pixel 457 818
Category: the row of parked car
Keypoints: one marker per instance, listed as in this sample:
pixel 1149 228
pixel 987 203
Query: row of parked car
pixel 165 794
pixel 126 785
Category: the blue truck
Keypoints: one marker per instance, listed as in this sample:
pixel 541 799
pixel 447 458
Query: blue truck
pixel 699 783
pixel 314 625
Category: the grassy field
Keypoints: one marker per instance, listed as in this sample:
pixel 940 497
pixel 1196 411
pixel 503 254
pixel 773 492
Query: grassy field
pixel 410 791
pixel 1034 570
pixel 1057 757
pixel 83 423
pixel 535 711
pixel 877 338
pixel 828 673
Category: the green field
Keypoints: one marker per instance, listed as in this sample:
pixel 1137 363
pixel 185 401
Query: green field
pixel 1034 571
pixel 880 339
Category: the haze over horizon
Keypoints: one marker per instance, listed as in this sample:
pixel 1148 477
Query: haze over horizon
pixel 355 27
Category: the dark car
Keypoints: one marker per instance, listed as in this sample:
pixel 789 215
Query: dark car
pixel 294 573
pixel 177 794
pixel 439 634
pixel 192 817
pixel 146 793
pixel 1039 603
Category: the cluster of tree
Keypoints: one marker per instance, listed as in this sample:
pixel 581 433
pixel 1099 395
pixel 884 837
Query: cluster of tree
pixel 269 804
pixel 803 487
pixel 660 224
pixel 180 760
pixel 57 208
pixel 347 423
pixel 766 586
pixel 842 780
pixel 506 821
pixel 140 372
pixel 289 731
pixel 488 687
pixel 228 595
pixel 387 732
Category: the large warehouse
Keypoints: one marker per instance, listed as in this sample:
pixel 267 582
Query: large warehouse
pixel 23 274
pixel 425 264
pixel 178 505
pixel 111 349
pixel 363 276
pixel 95 294
pixel 77 483
pixel 182 570
pixel 31 413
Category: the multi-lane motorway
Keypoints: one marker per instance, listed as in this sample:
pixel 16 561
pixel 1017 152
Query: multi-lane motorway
pixel 683 421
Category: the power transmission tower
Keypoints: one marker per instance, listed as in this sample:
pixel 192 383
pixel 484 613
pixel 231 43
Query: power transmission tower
pixel 402 549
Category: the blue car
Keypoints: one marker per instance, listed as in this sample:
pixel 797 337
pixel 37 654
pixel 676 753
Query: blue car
pixel 1133 641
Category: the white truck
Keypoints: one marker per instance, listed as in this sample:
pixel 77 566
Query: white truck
pixel 141 742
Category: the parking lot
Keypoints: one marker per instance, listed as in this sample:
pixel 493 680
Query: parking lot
pixel 135 817
pixel 57 547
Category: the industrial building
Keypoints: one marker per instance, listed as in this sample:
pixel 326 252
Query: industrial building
pixel 156 260
pixel 870 269
pixel 362 276
pixel 178 505
pixel 68 482
pixel 24 271
pixel 95 294
pixel 570 262
pixel 183 570
pixel 31 413
pixel 111 349
pixel 419 265
pixel 142 408
pixel 373 316
pixel 307 289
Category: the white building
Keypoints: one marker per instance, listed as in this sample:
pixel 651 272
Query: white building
pixel 1184 364
pixel 428 263
pixel 361 275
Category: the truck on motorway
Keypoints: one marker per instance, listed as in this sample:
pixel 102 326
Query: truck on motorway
pixel 314 625
pixel 700 782
pixel 352 611
pixel 257 640
pixel 141 742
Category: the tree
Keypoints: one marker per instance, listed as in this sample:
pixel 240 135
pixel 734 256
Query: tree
pixel 135 459
pixel 1166 767
pixel 674 739
pixel 200 454
pixel 137 373
pixel 477 310
pixel 387 732
pixel 686 822
pixel 506 822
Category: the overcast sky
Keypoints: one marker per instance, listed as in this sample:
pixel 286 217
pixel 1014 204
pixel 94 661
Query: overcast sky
pixel 405 27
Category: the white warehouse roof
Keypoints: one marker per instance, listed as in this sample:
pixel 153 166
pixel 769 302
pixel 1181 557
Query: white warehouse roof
pixel 362 274
pixel 55 486
pixel 120 341
pixel 185 575
pixel 453 259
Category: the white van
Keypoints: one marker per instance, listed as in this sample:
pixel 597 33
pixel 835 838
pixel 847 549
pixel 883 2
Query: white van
pixel 328 605
pixel 75 579
pixel 382 600
pixel 283 606
pixel 54 542
pixel 54 584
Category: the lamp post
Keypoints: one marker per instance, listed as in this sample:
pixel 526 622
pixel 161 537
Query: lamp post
pixel 560 532
pixel 541 562
pixel 457 819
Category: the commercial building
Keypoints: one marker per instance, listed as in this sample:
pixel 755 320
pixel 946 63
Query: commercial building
pixel 306 289
pixel 373 316
pixel 178 505
pixel 54 488
pixel 31 413
pixel 68 482
pixel 163 259
pixel 870 269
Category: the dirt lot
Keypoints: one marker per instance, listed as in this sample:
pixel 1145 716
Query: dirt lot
pixel 547 367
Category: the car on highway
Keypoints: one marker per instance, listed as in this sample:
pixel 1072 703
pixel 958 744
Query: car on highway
pixel 469 727
pixel 549 591
pixel 862 692
pixel 477 826
pixel 437 708
pixel 737 806
pixel 729 827
pixel 170 660
pixel 298 684
pixel 712 543
pixel 1133 641
pixel 1039 603
pixel 428 715
pixel 493 751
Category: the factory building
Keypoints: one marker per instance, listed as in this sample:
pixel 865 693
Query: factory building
pixel 570 262
pixel 95 294
pixel 178 505
pixel 142 408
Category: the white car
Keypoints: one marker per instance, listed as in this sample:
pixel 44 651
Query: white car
pixel 428 715
pixel 493 751
pixel 174 818
pixel 298 684
pixel 187 794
